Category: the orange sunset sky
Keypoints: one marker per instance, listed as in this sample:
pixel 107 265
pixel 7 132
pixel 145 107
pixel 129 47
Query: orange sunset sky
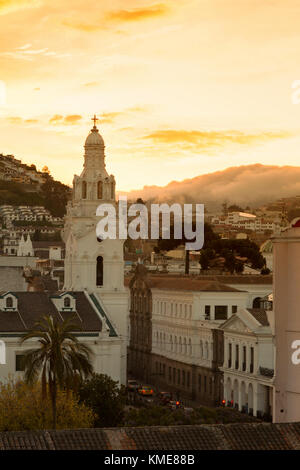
pixel 183 87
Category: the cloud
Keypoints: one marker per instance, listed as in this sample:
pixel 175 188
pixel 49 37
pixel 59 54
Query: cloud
pixel 71 119
pixel 57 118
pixel 138 14
pixel 251 185
pixel 85 27
pixel 9 6
pixel 27 53
pixel 19 120
pixel 111 117
pixel 211 139
pixel 121 16
pixel 91 84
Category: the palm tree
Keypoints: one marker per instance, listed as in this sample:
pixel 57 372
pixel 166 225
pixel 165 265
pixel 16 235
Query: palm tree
pixel 60 359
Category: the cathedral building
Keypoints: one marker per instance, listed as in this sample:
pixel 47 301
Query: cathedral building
pixel 93 265
pixel 93 290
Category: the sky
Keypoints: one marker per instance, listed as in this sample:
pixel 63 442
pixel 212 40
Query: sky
pixel 182 88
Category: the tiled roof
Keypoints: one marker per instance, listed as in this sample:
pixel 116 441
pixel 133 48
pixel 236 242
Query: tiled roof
pixel 189 284
pixel 260 315
pixel 238 436
pixel 33 305
pixel 221 279
pixel 185 283
pixel 47 245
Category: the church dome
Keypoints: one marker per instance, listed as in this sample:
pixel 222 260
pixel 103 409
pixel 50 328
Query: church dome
pixel 94 138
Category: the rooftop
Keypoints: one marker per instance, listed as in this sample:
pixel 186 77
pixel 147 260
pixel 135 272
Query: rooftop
pixel 32 305
pixel 238 436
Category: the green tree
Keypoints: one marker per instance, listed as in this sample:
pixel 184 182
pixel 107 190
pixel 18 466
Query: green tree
pixel 60 359
pixel 230 262
pixel 204 260
pixel 104 396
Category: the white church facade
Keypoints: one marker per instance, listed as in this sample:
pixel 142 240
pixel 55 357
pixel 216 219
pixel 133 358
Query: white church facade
pixel 94 278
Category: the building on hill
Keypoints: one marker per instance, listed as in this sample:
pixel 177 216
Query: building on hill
pixel 266 250
pixel 11 271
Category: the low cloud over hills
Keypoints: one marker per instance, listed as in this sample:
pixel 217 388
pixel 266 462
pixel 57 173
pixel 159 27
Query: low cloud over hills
pixel 251 185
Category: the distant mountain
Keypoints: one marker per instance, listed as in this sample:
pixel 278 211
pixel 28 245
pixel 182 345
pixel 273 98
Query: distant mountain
pixel 251 185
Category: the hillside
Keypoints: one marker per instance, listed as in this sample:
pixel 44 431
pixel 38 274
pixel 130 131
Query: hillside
pixel 22 184
pixel 53 195
pixel 251 185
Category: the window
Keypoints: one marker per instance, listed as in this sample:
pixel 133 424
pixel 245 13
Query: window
pixel 199 382
pixel 178 377
pixel 221 312
pixel 188 379
pixel 205 383
pixel 210 385
pixel 9 302
pixel 207 312
pixel 67 302
pixel 251 360
pixel 100 190
pixel 244 358
pixel 170 374
pixel 99 271
pixel 183 377
pixel 84 190
pixel 229 355
pixel 20 363
pixel 236 356
pixel 234 309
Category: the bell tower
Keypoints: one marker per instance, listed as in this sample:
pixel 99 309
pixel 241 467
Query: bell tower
pixel 90 263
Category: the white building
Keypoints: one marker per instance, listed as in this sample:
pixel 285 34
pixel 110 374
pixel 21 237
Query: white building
pixel 20 310
pixel 94 281
pixel 94 265
pixel 249 361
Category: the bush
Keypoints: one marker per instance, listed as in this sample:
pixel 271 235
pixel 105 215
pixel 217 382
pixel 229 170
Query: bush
pixel 163 416
pixel 107 400
pixel 22 408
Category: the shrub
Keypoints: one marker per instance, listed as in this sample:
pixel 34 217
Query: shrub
pixel 22 408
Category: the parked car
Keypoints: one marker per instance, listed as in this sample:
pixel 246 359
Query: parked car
pixel 164 397
pixel 145 390
pixel 132 385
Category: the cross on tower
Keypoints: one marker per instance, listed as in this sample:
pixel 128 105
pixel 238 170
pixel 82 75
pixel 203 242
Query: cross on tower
pixel 95 119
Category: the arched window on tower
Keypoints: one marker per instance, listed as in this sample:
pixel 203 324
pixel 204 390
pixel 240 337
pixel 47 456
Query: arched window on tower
pixel 99 271
pixel 100 190
pixel 83 189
